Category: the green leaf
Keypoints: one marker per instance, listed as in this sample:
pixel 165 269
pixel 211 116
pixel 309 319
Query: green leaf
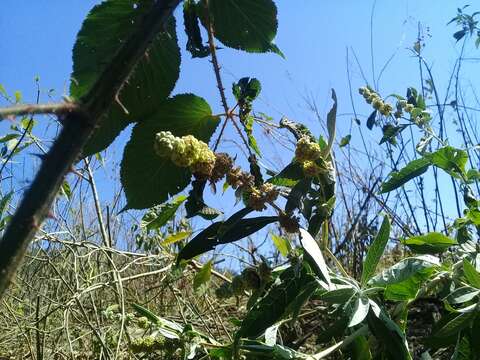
pixel 190 19
pixel 4 202
pixel 246 89
pixel 282 244
pixel 389 334
pixel 249 25
pixel 104 31
pixel 149 179
pixel 289 176
pixel 174 238
pixel 454 326
pixel 223 233
pixel 18 96
pixel 275 304
pixel 345 140
pixel 160 215
pixel 462 295
pixel 451 160
pixel 371 120
pixel 195 204
pixel 9 137
pixel 66 191
pixel 431 243
pixel 203 275
pixel 410 171
pixel 403 270
pixel 376 250
pixel 338 296
pixel 331 122
pixel 390 133
pixel 471 274
pixel 360 310
pixel 409 288
pixel 315 254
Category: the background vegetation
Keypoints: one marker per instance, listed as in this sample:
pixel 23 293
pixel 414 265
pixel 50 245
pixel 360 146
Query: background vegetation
pixel 346 250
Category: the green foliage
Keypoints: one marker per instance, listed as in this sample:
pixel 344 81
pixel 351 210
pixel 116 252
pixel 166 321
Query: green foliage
pixel 431 243
pixel 102 34
pixel 249 25
pixel 274 306
pixel 376 251
pixel 149 179
pixel 410 171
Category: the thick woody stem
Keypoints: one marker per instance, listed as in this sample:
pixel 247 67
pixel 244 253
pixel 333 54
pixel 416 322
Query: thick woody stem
pixel 79 124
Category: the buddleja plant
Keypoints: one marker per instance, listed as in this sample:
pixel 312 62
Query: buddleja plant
pixel 455 279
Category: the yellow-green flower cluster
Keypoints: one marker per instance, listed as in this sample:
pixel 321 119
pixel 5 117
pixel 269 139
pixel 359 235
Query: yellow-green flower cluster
pixel 309 155
pixel 307 150
pixel 371 97
pixel 186 151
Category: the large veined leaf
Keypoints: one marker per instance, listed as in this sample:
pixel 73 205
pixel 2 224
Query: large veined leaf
pixel 410 171
pixel 376 250
pixel 149 179
pixel 315 254
pixel 249 25
pixel 104 31
pixel 389 334
pixel 276 303
pixel 431 243
pixel 231 230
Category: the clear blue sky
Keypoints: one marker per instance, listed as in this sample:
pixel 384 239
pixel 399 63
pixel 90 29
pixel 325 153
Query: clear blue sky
pixel 36 38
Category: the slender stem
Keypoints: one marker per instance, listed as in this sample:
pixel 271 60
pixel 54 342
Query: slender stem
pixel 98 209
pixel 21 110
pixel 221 89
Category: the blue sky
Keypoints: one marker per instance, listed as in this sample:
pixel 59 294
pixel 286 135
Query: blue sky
pixel 36 38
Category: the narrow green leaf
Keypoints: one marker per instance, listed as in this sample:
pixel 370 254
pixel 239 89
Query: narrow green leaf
pixel 462 295
pixel 376 250
pixel 282 244
pixel 66 191
pixel 174 238
pixel 4 202
pixel 431 243
pixel 203 275
pixel 223 233
pixel 160 215
pixel 331 122
pixel 390 335
pixel 313 251
pixel 149 179
pixel 471 274
pixel 410 171
pixel 455 325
